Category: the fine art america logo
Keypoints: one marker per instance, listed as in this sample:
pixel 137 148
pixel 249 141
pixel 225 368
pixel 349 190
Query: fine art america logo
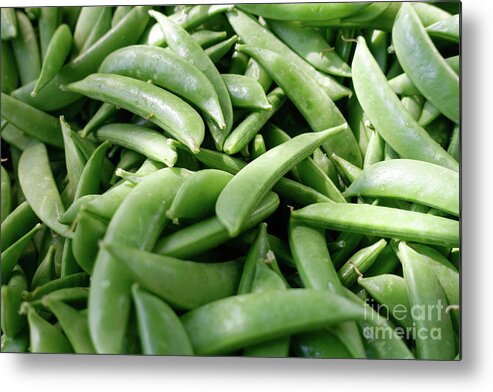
pixel 415 321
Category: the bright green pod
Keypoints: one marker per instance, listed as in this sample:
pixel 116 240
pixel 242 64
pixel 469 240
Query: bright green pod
pixel 447 29
pixel 346 169
pixel 39 187
pixel 160 330
pixel 399 130
pixel 56 54
pixel 375 151
pixel 410 180
pixel 319 344
pixel 9 74
pixel 146 141
pixel 240 196
pixel 246 92
pixel 84 25
pixel 197 196
pixel 18 344
pixel 164 109
pixel 45 337
pixel 74 158
pixel 429 71
pixel 99 28
pixel 8 24
pixel 12 321
pixel 182 284
pixel 46 269
pixel 26 50
pixel 80 279
pixel 454 145
pixel 5 195
pixel 218 51
pixel 382 221
pixel 90 177
pixel 120 13
pixel 49 21
pixel 16 224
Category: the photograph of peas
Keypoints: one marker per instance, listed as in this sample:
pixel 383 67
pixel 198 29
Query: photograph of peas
pixel 262 180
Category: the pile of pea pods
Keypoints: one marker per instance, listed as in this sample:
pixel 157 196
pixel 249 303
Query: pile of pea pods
pixel 266 180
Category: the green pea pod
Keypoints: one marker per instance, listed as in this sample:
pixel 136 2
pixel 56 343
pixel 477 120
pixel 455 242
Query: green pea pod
pixel 255 71
pixel 74 158
pixel 346 169
pixel 69 263
pixel 429 72
pixel 11 255
pixel 80 279
pixel 238 64
pixel 154 316
pixel 414 105
pixel 71 295
pixel 210 233
pixel 375 151
pixel 148 203
pixel 399 130
pixel 6 194
pixel 218 51
pixel 48 22
pixel 205 282
pixel 311 11
pixel 45 337
pixel 386 263
pixel 410 180
pixel 265 315
pixel 428 114
pixel 38 185
pixel 311 46
pixel 119 14
pixel 123 34
pixel 9 74
pixel 447 29
pixel 32 121
pixel 361 261
pixel 197 196
pixel 252 33
pixel 253 123
pixel 258 146
pixel 56 54
pixel 390 292
pixel 8 24
pixel 308 97
pixel 382 221
pixel 180 42
pixel 99 28
pixel 246 92
pixel 454 145
pixel 16 224
pixel 18 344
pixel 426 294
pixel 148 142
pixel 26 50
pixel 90 178
pixel 12 322
pixel 74 325
pixel 292 191
pixel 105 112
pixel 85 24
pixel 46 269
pixel 319 344
pixel 168 70
pixel 164 109
pixel 309 173
pixel 257 178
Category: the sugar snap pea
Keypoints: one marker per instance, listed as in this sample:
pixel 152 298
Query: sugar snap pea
pixel 119 14
pixel 16 224
pixel 448 29
pixel 8 24
pixel 11 320
pixel 85 22
pixel 46 269
pixel 400 131
pixel 454 145
pixel 90 177
pixel 246 92
pixel 10 74
pixel 382 221
pixel 100 27
pixel 79 279
pixel 49 21
pixel 218 51
pixel 45 337
pixel 319 344
pixel 6 194
pixel 26 49
pixel 161 331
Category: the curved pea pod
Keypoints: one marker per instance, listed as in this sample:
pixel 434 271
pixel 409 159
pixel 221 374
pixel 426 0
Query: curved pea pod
pixel 386 263
pixel 79 279
pixel 146 141
pixel 125 33
pixel 26 50
pixel 410 180
pixel 256 72
pixel 165 276
pixel 56 54
pixel 6 194
pixel 447 29
pixel 10 74
pixel 38 185
pixel 180 42
pixel 210 233
pixel 308 97
pixel 431 74
pixel 12 322
pixel 310 11
pixel 11 255
pixel 17 344
pixel 252 33
pixel 45 337
pixel 90 178
pixel 110 282
pixel 218 51
pixel 49 20
pixel 74 325
pixel 253 123
pixel 240 196
pixel 74 158
pixel 161 332
pixel 311 46
pixel 164 109
pixel 399 130
pixel 319 344
pixel 197 196
pixel 346 169
pixel 71 295
pixel 454 145
pixel 214 328
pixel 258 146
pixel 8 24
pixel 16 224
pixel 375 151
pixel 85 22
pixel 170 71
pixel 360 262
pixel 100 27
pixel 390 292
pixel 246 92
pixel 382 221
pixel 428 303
pixel 46 269
pixel 32 121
